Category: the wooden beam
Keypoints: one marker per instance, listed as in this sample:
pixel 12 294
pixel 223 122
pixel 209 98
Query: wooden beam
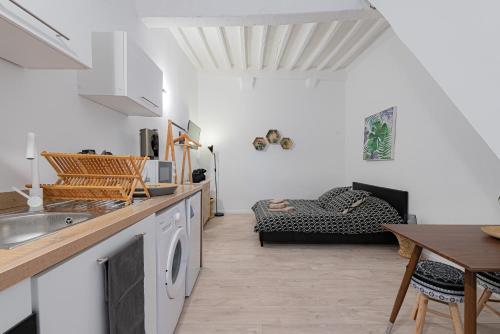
pixel 223 43
pixel 165 21
pixel 262 47
pixel 243 44
pixel 323 43
pixel 303 44
pixel 363 42
pixel 186 47
pixel 203 38
pixel 339 46
pixel 283 41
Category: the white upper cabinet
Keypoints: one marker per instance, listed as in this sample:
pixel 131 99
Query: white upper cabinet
pixel 48 34
pixel 122 77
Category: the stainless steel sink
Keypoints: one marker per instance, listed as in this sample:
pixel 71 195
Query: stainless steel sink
pixel 16 229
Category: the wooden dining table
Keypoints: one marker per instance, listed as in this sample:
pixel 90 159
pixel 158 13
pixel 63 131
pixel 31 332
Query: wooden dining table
pixel 465 245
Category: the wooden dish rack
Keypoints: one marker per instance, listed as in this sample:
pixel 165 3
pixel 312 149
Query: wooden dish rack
pixel 94 177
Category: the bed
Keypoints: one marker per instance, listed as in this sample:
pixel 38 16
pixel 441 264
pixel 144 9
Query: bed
pixel 311 223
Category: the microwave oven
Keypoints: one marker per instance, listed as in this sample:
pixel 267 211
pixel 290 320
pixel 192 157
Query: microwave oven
pixel 158 171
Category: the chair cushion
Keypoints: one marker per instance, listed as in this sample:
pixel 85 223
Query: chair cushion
pixel 344 202
pixel 439 281
pixel 489 281
pixel 330 194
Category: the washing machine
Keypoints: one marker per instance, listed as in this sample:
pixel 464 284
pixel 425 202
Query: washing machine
pixel 172 255
pixel 193 219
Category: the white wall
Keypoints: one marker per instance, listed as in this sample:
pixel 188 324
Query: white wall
pixel 456 43
pixel 451 174
pixel 230 119
pixel 47 102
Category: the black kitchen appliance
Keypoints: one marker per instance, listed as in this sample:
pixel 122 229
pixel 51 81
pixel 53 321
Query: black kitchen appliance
pixel 199 175
pixel 150 143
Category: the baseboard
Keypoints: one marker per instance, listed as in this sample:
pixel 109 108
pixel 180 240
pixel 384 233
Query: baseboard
pixel 238 212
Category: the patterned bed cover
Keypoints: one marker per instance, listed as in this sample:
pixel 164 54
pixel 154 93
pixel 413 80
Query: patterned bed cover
pixel 310 217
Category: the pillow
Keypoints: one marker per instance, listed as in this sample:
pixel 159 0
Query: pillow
pixel 327 197
pixel 354 205
pixel 347 200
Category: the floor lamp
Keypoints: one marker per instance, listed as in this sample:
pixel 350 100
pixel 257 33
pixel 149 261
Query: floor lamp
pixel 217 213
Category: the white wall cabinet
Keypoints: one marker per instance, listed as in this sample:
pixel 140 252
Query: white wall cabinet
pixel 47 34
pixel 122 77
pixel 15 304
pixel 69 298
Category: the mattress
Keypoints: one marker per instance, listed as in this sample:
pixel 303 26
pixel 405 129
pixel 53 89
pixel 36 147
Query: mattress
pixel 310 217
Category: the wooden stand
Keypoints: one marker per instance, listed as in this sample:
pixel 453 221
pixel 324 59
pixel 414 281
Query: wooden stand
pixel 94 177
pixel 187 143
pixel 170 149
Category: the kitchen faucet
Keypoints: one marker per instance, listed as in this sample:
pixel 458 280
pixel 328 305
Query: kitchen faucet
pixel 35 198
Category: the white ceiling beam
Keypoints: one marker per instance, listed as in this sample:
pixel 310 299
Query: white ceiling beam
pixel 223 45
pixel 338 76
pixel 243 44
pixel 200 8
pixel 339 46
pixel 283 41
pixel 266 19
pixel 323 43
pixel 368 37
pixel 186 47
pixel 208 51
pixel 311 28
pixel 262 47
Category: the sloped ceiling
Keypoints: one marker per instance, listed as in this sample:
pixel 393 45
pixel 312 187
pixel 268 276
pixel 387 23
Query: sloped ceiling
pixel 309 43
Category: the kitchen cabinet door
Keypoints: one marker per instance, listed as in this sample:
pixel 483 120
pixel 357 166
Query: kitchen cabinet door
pixel 145 79
pixel 60 32
pixel 15 304
pixel 69 298
pixel 123 77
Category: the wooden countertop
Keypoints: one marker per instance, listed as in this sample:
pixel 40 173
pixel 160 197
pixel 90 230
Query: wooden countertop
pixel 35 256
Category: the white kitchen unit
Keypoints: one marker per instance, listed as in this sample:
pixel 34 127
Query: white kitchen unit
pixel 172 254
pixel 122 77
pixel 49 34
pixel 15 304
pixel 69 298
pixel 193 215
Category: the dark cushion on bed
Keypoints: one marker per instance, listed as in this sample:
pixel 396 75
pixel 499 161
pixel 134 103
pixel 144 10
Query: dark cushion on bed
pixel 345 200
pixel 327 196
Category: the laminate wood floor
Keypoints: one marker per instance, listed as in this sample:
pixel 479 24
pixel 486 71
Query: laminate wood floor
pixel 294 289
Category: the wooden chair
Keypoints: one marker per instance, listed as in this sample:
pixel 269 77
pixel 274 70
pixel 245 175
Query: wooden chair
pixel 491 284
pixel 441 283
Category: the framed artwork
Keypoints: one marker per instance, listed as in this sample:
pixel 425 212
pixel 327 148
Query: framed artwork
pixel 259 143
pixel 380 135
pixel 286 143
pixel 273 136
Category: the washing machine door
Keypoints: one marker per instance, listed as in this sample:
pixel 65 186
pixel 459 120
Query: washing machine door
pixel 176 265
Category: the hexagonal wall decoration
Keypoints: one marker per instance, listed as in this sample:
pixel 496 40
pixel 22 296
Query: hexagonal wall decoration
pixel 286 143
pixel 259 143
pixel 273 136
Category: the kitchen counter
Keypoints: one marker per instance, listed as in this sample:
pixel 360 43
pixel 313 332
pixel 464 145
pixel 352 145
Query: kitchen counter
pixel 38 255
